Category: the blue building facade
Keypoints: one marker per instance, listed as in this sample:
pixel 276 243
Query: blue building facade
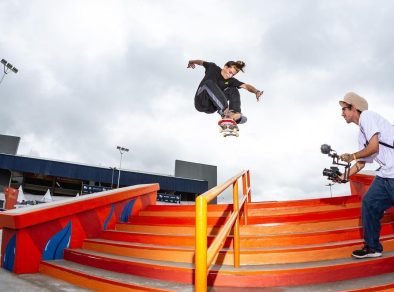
pixel 67 178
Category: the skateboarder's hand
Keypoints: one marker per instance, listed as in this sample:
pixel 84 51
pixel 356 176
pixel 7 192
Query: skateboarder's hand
pixel 258 94
pixel 191 65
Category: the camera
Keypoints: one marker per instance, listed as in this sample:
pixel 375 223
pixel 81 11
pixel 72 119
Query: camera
pixel 333 172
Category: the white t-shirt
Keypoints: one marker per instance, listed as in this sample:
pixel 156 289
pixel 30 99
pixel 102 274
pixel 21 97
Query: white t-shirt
pixel 371 123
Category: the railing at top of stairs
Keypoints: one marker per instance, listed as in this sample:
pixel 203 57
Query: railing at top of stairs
pixel 204 256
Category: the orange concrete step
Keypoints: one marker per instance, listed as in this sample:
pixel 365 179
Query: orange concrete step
pixel 245 229
pixel 388 287
pixel 158 229
pixel 189 214
pixel 142 251
pixel 249 256
pixel 99 279
pixel 103 280
pixel 291 227
pixel 247 276
pixel 342 200
pixel 304 227
pixel 252 212
pixel 186 208
pixel 346 213
pixel 252 240
pixel 381 282
pixel 163 220
pixel 307 238
pixel 300 209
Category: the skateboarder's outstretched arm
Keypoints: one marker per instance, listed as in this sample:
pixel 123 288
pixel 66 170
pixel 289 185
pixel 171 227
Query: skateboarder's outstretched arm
pixel 192 63
pixel 252 89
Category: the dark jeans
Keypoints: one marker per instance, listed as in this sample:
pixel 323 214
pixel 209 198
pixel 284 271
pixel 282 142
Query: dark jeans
pixel 210 98
pixel 379 197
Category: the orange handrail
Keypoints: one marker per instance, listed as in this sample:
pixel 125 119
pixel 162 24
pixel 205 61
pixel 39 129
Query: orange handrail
pixel 205 256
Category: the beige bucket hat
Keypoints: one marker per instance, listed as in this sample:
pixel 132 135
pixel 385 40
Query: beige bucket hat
pixel 355 100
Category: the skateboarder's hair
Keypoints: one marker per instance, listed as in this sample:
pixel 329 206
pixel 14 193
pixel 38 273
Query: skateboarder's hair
pixel 238 64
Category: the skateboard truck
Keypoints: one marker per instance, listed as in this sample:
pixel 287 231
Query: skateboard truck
pixel 228 127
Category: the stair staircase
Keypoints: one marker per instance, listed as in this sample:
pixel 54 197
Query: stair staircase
pixel 300 245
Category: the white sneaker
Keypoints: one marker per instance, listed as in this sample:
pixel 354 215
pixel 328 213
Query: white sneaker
pixel 366 252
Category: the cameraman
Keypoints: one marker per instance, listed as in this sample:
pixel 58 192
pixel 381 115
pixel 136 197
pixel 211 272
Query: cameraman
pixel 376 143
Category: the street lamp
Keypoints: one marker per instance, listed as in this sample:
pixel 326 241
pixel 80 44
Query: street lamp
pixel 7 68
pixel 121 150
pixel 112 178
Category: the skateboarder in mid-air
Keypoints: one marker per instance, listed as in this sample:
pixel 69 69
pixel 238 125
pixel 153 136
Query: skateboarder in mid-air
pixel 218 90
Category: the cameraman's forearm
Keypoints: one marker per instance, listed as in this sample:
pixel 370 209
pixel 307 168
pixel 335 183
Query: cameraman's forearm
pixel 370 149
pixel 358 166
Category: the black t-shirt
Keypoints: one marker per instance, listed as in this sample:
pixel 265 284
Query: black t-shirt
pixel 213 72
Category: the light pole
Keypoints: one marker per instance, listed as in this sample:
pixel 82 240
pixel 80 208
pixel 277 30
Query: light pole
pixel 7 68
pixel 121 150
pixel 112 178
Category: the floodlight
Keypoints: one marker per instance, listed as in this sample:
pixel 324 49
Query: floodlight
pixel 121 151
pixel 7 67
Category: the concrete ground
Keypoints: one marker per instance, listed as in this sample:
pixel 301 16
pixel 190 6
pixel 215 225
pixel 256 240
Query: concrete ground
pixel 33 282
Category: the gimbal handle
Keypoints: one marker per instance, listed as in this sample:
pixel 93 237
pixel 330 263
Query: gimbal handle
pixel 335 160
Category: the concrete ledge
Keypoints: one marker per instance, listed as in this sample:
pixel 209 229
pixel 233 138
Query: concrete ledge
pixel 42 232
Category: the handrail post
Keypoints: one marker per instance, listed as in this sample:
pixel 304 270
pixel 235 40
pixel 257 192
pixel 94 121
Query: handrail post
pixel 236 240
pixel 248 184
pixel 245 193
pixel 201 245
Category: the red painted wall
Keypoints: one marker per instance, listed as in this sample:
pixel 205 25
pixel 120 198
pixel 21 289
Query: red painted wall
pixel 38 227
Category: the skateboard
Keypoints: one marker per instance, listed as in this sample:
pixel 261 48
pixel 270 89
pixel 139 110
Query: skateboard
pixel 228 128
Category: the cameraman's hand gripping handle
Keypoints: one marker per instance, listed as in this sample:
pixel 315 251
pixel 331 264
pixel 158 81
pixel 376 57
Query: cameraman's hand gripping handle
pixel 335 175
pixel 346 174
pixel 345 179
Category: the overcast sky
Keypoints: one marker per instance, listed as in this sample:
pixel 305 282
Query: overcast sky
pixel 97 74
